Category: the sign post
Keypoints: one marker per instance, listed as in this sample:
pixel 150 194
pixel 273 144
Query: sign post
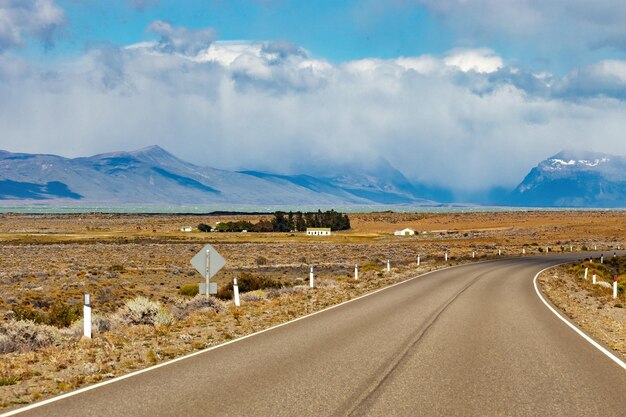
pixel 207 271
pixel 208 262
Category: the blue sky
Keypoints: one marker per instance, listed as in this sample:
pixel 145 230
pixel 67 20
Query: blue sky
pixel 335 30
pixel 463 93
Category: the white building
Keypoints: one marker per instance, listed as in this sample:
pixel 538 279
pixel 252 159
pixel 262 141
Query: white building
pixel 186 229
pixel 318 231
pixel 405 232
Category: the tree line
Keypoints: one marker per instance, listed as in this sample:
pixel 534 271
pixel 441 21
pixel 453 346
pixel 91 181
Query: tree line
pixel 285 222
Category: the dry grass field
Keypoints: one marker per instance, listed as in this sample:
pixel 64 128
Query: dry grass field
pixel 48 261
pixel 591 306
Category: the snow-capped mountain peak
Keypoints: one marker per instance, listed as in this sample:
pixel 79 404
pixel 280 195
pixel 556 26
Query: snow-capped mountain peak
pixel 574 179
pixel 557 163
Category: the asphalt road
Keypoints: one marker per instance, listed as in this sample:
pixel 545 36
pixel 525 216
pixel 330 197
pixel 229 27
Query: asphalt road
pixel 474 340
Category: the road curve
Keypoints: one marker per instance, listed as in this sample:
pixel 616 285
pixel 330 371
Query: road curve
pixel 473 340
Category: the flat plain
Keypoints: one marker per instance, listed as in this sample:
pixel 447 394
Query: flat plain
pixel 50 259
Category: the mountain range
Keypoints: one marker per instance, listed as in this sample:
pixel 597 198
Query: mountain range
pixel 154 176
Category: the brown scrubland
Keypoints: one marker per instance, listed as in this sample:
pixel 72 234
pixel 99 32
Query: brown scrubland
pixel 136 268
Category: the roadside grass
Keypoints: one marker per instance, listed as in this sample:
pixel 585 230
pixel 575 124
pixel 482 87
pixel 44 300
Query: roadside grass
pixel 592 307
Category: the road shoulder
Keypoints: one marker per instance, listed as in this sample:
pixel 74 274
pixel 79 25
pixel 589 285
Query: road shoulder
pixel 591 308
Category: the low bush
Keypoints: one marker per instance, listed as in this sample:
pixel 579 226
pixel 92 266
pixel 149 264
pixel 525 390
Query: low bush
pixel 248 282
pixel 258 295
pixel 190 290
pixel 371 266
pixel 183 307
pixel 143 311
pixel 277 292
pixel 58 314
pixel 25 335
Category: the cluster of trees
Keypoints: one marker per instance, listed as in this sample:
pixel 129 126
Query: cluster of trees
pixel 286 222
pixel 300 221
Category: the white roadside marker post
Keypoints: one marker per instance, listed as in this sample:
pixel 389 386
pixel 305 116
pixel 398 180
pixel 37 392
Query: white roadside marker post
pixel 208 273
pixel 499 252
pixel 586 272
pixel 473 254
pixel 87 315
pixel 388 266
pixel 236 291
pixel 547 250
pixel 356 272
pixel 446 256
pixel 601 259
pixel 593 279
pixel 595 247
pixel 311 283
pixel 523 251
pixel 418 261
pixel 571 248
pixel 615 286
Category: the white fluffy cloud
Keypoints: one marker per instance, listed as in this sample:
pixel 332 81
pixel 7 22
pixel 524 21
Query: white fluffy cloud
pixel 465 119
pixel 23 18
pixel 478 60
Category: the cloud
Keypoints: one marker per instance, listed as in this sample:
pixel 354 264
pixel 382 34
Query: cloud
pixel 543 23
pixel 465 119
pixel 603 79
pixel 40 19
pixel 478 60
pixel 180 39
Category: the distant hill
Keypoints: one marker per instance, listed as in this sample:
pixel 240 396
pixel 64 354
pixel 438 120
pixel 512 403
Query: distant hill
pixel 154 176
pixel 574 179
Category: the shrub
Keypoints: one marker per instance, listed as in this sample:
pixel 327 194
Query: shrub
pixel 277 292
pixel 190 290
pixel 24 335
pixel 248 282
pixel 261 261
pixel 371 266
pixel 182 308
pixel 163 318
pixel 63 315
pixel 59 314
pixel 100 324
pixel 143 311
pixel 258 295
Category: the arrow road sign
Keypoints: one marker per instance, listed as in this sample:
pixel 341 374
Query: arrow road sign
pixel 212 265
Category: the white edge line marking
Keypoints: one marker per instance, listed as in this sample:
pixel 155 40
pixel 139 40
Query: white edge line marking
pixel 200 352
pixel 573 327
